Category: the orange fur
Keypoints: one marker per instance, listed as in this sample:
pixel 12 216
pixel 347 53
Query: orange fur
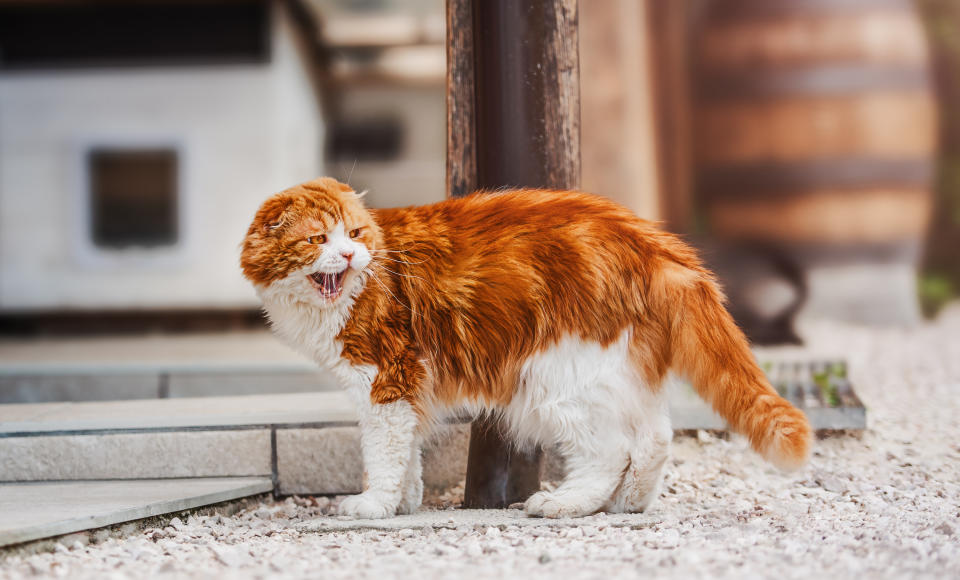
pixel 467 289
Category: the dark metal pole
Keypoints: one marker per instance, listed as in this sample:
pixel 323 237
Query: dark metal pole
pixel 513 106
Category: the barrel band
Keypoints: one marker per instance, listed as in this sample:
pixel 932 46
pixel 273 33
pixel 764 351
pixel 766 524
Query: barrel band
pixel 820 80
pixel 905 251
pixel 762 180
pixel 746 10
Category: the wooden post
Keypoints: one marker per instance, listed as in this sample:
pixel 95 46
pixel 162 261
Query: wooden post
pixel 513 107
pixel 461 119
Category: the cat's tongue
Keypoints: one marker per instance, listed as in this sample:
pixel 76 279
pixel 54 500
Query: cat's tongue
pixel 329 285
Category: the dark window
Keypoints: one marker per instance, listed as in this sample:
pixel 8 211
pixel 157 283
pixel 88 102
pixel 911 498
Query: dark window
pixel 367 140
pixel 124 33
pixel 133 197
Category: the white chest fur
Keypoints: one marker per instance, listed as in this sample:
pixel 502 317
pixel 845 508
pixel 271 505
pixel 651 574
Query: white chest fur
pixel 313 332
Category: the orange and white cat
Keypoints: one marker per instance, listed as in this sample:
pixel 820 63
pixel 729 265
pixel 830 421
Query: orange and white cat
pixel 560 312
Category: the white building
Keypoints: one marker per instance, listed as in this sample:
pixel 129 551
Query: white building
pixel 130 168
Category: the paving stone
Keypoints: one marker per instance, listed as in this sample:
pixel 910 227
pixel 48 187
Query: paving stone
pixel 317 440
pixel 319 460
pixel 23 413
pixel 136 455
pixel 71 387
pixel 327 461
pixel 177 413
pixel 445 457
pixel 105 385
pixel 205 384
pixel 231 351
pixel 29 511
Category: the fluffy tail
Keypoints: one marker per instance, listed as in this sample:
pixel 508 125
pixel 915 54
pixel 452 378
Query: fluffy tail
pixel 711 351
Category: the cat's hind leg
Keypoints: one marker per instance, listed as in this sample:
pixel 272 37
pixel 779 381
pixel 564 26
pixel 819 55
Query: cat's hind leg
pixel 590 481
pixel 641 481
pixel 579 396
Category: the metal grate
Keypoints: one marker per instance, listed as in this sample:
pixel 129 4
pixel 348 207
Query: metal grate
pixel 821 389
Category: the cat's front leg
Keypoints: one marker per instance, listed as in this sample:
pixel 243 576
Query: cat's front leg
pixel 387 435
pixel 413 481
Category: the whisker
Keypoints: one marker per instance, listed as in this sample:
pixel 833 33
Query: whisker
pixel 351 170
pixel 391 251
pixel 399 261
pixel 398 273
pixel 376 279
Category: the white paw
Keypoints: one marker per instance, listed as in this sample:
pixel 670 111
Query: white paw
pixel 534 504
pixel 408 506
pixel 412 498
pixel 629 504
pixel 366 506
pixel 552 505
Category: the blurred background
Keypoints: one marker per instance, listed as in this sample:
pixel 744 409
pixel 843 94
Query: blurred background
pixel 810 148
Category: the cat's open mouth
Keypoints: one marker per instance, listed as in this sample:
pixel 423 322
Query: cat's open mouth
pixel 329 285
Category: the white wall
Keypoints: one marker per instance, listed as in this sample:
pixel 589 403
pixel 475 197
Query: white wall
pixel 418 175
pixel 246 131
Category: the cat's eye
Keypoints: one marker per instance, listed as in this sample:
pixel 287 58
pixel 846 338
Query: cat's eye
pixel 355 232
pixel 317 239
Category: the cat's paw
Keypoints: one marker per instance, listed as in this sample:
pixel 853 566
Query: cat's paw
pixel 408 506
pixel 367 506
pixel 547 504
pixel 412 498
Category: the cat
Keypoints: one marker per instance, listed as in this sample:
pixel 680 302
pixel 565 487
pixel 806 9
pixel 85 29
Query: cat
pixel 560 312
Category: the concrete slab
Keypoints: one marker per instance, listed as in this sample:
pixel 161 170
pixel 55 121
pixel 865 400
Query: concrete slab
pixel 314 448
pixel 111 385
pixel 160 366
pixel 208 352
pixel 28 412
pixel 308 443
pixel 224 383
pixel 201 412
pixel 143 455
pixel 45 388
pixel 445 457
pixel 319 459
pixel 29 511
pixel 327 461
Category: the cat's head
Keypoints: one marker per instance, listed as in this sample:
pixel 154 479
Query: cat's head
pixel 310 243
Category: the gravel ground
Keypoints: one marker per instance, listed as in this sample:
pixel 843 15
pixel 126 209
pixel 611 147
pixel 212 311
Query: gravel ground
pixel 883 504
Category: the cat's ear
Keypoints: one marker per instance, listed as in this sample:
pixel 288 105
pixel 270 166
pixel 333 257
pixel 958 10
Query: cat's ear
pixel 272 215
pixel 347 190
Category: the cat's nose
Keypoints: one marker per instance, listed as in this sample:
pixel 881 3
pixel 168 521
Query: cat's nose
pixel 348 255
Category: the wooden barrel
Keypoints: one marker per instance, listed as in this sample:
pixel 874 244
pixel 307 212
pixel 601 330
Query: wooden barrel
pixel 815 123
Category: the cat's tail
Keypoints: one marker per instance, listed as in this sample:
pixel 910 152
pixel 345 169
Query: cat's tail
pixel 711 351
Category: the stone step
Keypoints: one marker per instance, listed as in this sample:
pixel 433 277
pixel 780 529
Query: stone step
pixel 30 511
pixel 160 352
pixel 249 363
pixel 148 367
pixel 305 443
pixel 109 385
